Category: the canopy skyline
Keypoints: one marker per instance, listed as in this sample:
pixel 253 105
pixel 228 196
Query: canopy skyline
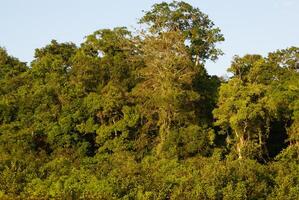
pixel 247 28
pixel 140 115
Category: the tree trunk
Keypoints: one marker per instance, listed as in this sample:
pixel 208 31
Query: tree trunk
pixel 240 144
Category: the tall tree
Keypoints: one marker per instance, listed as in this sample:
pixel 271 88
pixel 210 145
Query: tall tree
pixel 197 29
pixel 257 97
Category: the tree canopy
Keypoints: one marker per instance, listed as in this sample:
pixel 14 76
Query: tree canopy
pixel 135 115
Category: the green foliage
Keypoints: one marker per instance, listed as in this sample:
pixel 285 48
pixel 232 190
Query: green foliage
pixel 261 92
pixel 196 27
pixel 136 116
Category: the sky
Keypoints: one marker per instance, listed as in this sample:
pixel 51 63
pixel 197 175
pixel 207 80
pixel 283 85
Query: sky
pixel 251 26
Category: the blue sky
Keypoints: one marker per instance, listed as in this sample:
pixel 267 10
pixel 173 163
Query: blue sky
pixel 252 26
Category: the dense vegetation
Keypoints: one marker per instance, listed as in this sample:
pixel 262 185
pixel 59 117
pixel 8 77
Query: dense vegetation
pixel 136 116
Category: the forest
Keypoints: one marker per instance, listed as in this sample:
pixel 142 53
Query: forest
pixel 135 115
